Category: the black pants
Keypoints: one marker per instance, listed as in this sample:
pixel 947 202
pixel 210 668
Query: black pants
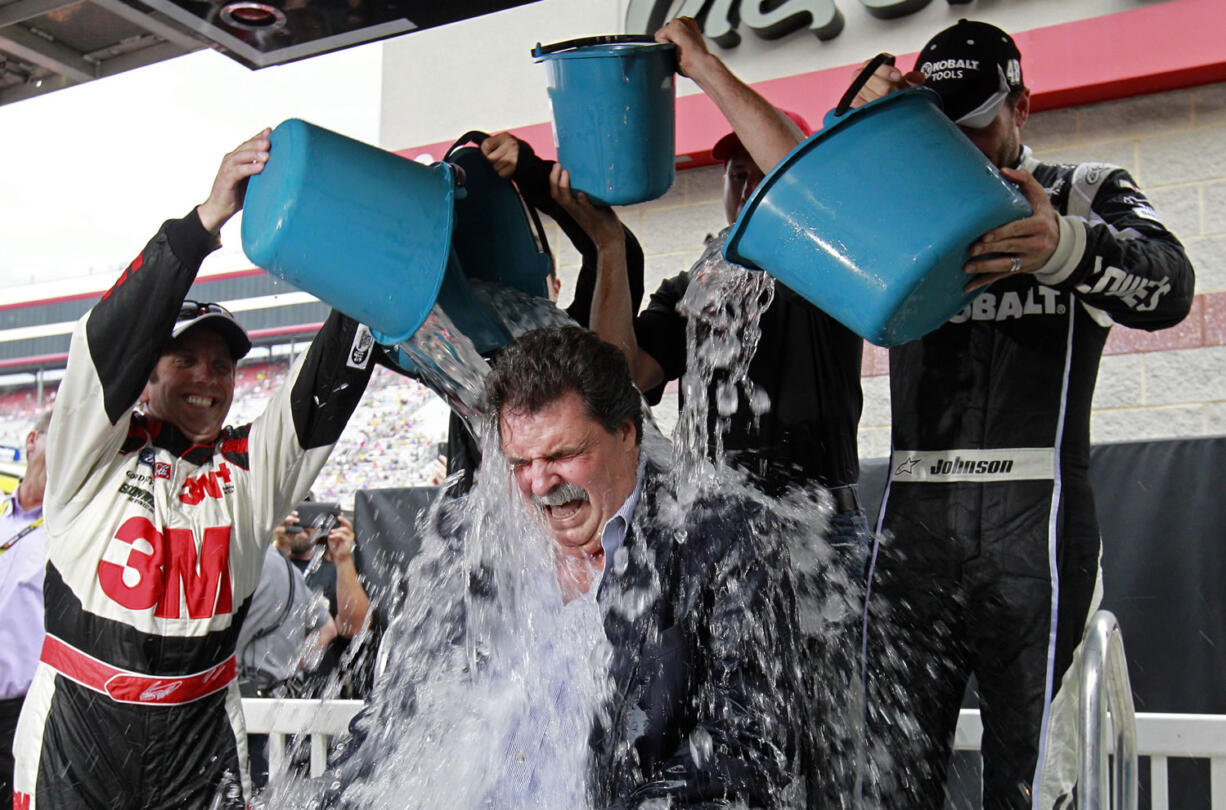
pixel 930 631
pixel 98 753
pixel 10 710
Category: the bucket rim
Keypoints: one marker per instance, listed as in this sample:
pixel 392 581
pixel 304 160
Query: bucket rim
pixel 600 48
pixel 911 95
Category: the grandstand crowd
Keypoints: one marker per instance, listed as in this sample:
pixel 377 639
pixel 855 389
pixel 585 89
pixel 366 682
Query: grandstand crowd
pixel 391 441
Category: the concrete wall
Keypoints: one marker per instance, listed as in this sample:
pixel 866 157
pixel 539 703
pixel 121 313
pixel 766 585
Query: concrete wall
pixel 1151 385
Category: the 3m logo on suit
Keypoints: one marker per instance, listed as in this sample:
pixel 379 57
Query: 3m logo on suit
pixel 209 485
pixel 146 568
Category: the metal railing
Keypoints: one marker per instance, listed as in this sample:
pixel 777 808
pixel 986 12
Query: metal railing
pixel 1157 737
pixel 1160 737
pixel 1104 684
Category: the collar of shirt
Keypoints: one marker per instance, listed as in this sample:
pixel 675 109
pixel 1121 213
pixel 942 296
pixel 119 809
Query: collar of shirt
pixel 1026 159
pixel 613 535
pixel 14 510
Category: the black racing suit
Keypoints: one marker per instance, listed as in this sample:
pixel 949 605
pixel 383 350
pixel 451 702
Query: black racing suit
pixel 155 545
pixel 990 564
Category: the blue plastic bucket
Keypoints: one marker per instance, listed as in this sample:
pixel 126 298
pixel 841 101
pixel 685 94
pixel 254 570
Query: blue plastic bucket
pixel 497 238
pixel 364 230
pixel 870 219
pixel 613 102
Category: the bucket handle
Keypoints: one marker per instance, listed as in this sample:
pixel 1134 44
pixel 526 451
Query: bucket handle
pixel 583 42
pixel 858 83
pixel 476 136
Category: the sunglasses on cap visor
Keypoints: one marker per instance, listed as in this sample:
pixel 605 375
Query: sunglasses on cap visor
pixel 194 309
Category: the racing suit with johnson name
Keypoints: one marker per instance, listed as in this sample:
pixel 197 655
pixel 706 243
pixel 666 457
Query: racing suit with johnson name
pixel 990 560
pixel 155 545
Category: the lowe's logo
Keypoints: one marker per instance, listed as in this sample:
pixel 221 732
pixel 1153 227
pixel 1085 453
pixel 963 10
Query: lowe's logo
pixel 721 20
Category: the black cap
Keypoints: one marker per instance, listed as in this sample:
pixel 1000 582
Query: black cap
pixel 217 318
pixel 973 66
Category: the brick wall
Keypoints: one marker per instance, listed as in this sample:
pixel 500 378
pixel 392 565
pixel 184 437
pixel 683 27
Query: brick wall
pixel 1151 385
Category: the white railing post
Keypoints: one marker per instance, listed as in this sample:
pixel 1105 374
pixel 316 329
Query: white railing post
pixel 1104 683
pixel 321 719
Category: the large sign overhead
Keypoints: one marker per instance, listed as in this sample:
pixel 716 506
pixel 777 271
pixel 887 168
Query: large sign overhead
pixel 260 33
pixel 722 20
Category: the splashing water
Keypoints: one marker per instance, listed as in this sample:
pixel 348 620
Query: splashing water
pixel 492 684
pixel 489 694
pixel 449 363
pixel 723 305
pixel 517 311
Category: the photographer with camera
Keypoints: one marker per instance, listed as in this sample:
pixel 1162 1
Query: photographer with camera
pixel 334 576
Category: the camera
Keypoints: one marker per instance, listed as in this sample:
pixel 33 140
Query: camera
pixel 318 517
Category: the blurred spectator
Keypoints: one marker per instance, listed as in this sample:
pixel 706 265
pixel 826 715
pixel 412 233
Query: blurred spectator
pixel 23 557
pixel 335 577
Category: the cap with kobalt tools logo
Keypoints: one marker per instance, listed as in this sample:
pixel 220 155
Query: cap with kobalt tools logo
pixel 973 66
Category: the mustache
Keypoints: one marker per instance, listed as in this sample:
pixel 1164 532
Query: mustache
pixel 562 493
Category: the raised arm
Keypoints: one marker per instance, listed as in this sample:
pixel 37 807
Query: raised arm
pixel 352 603
pixel 116 344
pixel 1110 249
pixel 514 159
pixel 230 185
pixel 612 313
pixel 767 134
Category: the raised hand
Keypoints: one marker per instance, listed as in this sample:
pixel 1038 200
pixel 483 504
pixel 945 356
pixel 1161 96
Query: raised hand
pixel 230 184
pixel 1021 246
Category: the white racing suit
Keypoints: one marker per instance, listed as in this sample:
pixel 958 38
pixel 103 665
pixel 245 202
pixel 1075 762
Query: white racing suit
pixel 155 545
pixel 990 564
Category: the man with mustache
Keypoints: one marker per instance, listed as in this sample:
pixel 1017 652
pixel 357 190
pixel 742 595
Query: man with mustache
pixel 715 652
pixel 700 703
pixel 157 525
pixel 807 366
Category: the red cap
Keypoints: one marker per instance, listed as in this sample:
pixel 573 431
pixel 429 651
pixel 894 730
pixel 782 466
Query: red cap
pixel 730 142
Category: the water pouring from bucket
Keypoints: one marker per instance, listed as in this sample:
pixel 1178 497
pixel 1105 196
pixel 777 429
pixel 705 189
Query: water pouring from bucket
pixel 427 256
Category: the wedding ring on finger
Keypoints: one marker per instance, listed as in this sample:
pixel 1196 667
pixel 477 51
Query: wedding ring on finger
pixel 1016 264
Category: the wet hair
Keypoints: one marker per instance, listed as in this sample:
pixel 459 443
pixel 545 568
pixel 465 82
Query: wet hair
pixel 545 365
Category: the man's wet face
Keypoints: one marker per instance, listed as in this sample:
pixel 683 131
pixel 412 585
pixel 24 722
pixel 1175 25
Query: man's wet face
pixel 576 472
